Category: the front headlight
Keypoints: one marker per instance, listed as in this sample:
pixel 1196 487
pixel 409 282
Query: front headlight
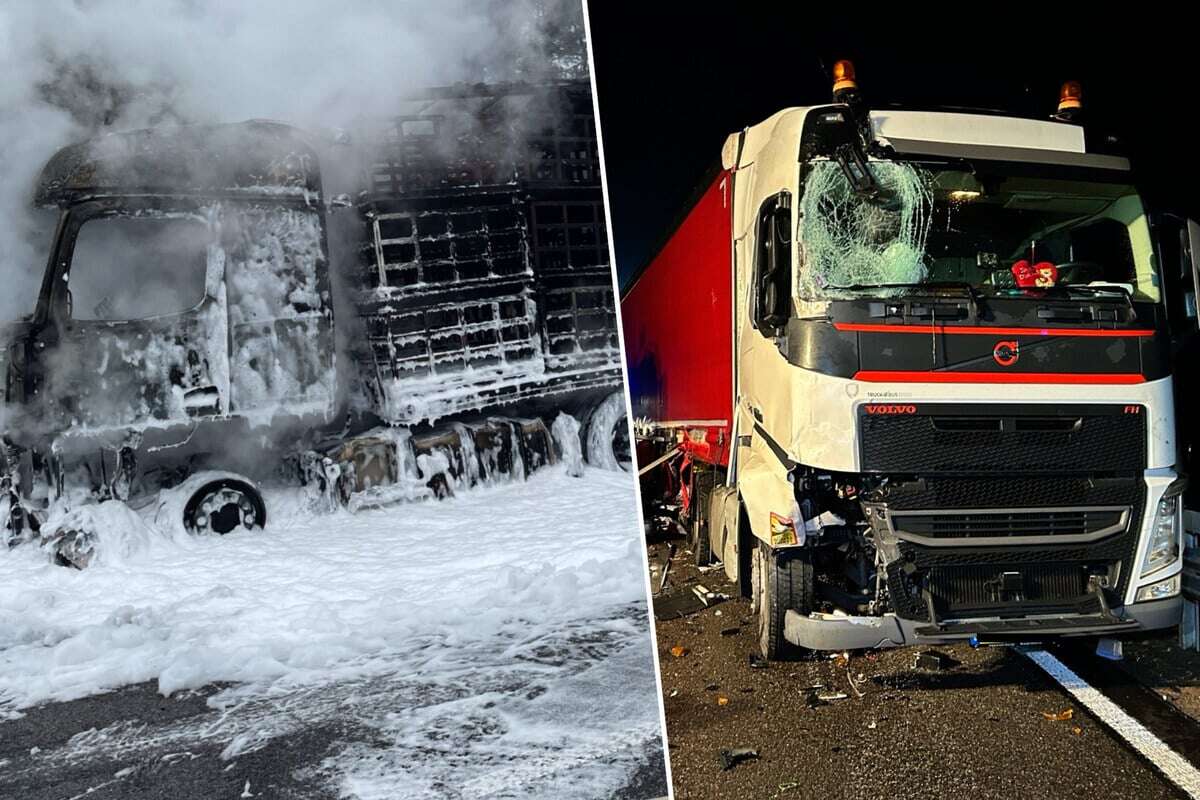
pixel 1158 591
pixel 1163 548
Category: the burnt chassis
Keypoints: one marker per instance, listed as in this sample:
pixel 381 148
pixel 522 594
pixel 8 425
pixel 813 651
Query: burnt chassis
pixel 362 438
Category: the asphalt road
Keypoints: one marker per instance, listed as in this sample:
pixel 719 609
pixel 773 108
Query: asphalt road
pixel 45 755
pixel 975 730
pixel 134 744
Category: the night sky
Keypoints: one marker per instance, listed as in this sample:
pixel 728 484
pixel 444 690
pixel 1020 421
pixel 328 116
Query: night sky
pixel 674 79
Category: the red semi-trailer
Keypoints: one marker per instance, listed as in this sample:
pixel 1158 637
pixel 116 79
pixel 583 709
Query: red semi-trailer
pixel 908 374
pixel 681 363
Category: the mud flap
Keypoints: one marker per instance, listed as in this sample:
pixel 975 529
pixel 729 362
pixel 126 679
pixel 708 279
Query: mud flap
pixel 723 520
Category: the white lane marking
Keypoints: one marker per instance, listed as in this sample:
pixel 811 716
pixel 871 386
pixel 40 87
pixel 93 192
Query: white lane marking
pixel 1175 767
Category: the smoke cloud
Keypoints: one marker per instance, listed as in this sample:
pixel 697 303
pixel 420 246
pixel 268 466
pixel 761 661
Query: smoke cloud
pixel 75 68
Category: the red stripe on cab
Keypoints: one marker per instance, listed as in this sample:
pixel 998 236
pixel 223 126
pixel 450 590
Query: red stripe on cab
pixel 904 376
pixel 971 330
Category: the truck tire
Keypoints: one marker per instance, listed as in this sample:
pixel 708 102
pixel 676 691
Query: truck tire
pixel 607 444
pixel 221 505
pixel 702 486
pixel 211 503
pixel 781 581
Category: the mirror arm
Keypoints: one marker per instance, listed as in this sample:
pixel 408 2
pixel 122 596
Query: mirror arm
pixel 859 175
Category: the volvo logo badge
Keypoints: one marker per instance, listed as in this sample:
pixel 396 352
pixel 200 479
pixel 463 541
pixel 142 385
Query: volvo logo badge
pixel 1006 353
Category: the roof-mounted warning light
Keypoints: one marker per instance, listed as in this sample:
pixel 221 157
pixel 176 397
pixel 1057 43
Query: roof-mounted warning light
pixel 845 85
pixel 1070 101
pixel 845 90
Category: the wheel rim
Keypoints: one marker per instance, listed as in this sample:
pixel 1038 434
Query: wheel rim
pixel 222 507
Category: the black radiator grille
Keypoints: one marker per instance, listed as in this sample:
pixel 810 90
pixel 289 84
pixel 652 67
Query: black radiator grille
pixel 980 590
pixel 989 523
pixel 1053 571
pixel 932 438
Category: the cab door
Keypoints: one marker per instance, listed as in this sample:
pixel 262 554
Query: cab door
pixel 137 324
pixel 280 311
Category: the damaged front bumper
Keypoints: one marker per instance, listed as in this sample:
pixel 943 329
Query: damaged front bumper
pixel 838 632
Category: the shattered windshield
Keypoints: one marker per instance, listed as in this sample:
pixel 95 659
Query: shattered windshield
pixel 1002 229
pixel 132 268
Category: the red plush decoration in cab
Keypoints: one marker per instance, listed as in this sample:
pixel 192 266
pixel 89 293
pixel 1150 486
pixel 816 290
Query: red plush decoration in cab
pixel 1042 275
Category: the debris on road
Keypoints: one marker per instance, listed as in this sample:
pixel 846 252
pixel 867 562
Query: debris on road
pixel 734 631
pixel 662 583
pixel 934 661
pixel 1061 716
pixel 706 595
pixel 1110 649
pixel 731 758
pixel 679 651
pixel 722 700
pixel 681 603
pixel 815 698
pixel 853 685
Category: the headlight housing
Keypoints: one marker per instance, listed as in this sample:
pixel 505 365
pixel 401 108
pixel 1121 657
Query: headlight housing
pixel 1162 590
pixel 1165 532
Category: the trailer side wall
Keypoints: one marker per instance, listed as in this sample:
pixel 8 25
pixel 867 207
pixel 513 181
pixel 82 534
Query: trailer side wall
pixel 678 322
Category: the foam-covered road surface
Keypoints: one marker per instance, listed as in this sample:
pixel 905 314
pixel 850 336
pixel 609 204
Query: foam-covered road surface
pixel 492 645
pixel 514 720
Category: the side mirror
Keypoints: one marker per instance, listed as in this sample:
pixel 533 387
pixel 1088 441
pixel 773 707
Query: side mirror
pixel 1190 249
pixel 773 265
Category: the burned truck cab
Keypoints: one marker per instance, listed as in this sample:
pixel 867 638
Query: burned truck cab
pixel 186 303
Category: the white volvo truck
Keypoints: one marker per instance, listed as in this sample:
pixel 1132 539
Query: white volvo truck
pixel 918 371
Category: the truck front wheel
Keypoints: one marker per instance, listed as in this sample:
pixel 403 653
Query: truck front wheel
pixel 779 581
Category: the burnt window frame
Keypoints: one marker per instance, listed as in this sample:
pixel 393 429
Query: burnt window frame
pixel 56 289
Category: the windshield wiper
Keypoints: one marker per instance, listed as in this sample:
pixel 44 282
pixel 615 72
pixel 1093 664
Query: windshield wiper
pixel 970 292
pixel 855 287
pixel 1110 290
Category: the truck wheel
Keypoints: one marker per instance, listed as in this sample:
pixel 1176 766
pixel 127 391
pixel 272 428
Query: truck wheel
pixel 780 581
pixel 607 442
pixel 224 504
pixel 702 492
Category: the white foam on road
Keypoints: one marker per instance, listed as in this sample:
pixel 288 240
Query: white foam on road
pixel 1175 767
pixel 500 630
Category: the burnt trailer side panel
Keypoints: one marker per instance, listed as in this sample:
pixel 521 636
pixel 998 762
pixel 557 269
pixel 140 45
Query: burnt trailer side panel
pixel 485 280
pixel 678 323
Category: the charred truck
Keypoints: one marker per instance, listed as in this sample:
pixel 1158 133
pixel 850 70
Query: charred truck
pixel 916 384
pixel 210 321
